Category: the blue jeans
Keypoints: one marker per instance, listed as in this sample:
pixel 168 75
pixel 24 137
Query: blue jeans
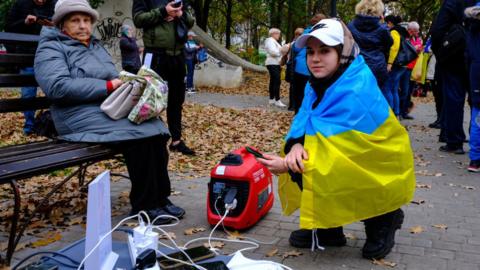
pixel 406 86
pixel 391 88
pixel 190 71
pixel 475 134
pixel 28 92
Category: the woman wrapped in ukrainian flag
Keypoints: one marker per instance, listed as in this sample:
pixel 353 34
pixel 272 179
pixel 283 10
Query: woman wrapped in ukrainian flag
pixel 347 156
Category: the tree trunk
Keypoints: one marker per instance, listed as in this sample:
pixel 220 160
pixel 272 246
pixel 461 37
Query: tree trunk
pixel 201 9
pixel 228 24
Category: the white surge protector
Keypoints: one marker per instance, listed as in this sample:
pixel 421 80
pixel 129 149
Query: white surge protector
pixel 143 238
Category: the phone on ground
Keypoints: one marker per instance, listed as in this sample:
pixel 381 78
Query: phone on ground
pixel 196 254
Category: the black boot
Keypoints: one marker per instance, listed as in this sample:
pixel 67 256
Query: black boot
pixel 380 233
pixel 333 237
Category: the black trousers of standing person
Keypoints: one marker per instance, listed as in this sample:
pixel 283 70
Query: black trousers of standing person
pixel 274 86
pixel 147 161
pixel 437 93
pixel 171 69
pixel 299 82
pixel 454 84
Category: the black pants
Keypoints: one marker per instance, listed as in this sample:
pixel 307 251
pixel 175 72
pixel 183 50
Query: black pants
pixel 454 86
pixel 147 161
pixel 299 82
pixel 131 69
pixel 274 86
pixel 172 70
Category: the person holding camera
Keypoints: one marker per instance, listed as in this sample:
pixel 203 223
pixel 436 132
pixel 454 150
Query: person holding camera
pixel 165 26
pixel 28 17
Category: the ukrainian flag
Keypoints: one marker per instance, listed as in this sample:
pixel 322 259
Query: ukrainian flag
pixel 360 161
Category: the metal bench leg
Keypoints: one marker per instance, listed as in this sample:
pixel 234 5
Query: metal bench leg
pixel 15 218
pixel 27 221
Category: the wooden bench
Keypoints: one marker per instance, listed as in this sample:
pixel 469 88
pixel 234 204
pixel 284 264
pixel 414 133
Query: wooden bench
pixel 20 162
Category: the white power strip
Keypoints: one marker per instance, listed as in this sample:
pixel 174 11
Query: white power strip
pixel 143 238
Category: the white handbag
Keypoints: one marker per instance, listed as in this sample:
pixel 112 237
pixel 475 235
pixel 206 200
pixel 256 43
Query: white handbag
pixel 119 104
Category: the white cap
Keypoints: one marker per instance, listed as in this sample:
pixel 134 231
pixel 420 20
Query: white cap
pixel 328 31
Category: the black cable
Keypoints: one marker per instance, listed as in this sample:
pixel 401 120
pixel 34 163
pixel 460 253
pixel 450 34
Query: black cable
pixel 45 252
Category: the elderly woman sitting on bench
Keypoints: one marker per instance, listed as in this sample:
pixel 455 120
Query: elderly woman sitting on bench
pixel 77 74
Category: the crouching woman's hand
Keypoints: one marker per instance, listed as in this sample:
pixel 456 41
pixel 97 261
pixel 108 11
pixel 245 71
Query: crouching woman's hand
pixel 274 164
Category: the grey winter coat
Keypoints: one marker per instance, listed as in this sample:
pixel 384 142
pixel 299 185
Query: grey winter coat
pixel 75 78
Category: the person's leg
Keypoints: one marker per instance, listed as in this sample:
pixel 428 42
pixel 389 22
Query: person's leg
pixel 291 100
pixel 28 92
pixel 404 91
pixel 332 237
pixel 380 231
pixel 454 90
pixel 190 70
pixel 475 141
pixel 299 83
pixel 276 82
pixel 391 88
pixel 271 72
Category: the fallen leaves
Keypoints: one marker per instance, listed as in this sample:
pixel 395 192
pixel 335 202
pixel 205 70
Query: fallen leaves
pixel 195 230
pixel 351 236
pixel 235 235
pixel 214 244
pixel 168 235
pixel 418 201
pixel 383 262
pixel 291 253
pixel 272 253
pixel 417 229
pixel 440 226
pixel 462 186
pixel 49 238
pixel 419 185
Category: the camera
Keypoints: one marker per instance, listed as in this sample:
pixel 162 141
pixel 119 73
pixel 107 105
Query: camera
pixel 176 3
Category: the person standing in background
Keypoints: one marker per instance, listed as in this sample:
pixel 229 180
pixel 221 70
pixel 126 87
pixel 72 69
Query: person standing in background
pixel 28 17
pixel 129 50
pixel 165 26
pixel 272 47
pixel 373 39
pixel 190 52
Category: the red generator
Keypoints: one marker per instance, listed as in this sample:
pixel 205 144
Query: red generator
pixel 240 176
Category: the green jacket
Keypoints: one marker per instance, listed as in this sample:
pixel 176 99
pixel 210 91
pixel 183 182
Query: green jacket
pixel 157 32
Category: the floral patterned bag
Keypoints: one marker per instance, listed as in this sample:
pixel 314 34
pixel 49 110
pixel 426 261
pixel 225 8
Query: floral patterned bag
pixel 154 98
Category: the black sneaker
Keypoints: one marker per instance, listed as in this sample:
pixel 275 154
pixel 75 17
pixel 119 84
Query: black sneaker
pixel 326 237
pixel 153 214
pixel 435 124
pixel 182 148
pixel 458 150
pixel 173 210
pixel 380 233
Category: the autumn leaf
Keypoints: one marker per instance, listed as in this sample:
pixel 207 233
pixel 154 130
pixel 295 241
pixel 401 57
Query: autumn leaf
pixel 438 174
pixel 192 231
pixel 419 201
pixel 468 187
pixel 214 244
pixel 51 237
pixel 272 252
pixel 175 193
pixel 419 185
pixel 351 236
pixel 235 235
pixel 417 229
pixel 440 226
pixel 166 236
pixel 292 253
pixel 383 262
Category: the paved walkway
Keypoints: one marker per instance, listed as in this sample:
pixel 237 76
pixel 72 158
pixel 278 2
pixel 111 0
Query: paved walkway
pixel 453 200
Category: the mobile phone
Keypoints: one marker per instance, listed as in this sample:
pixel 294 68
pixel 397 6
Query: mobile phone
pixel 196 254
pixel 218 265
pixel 254 152
pixel 176 3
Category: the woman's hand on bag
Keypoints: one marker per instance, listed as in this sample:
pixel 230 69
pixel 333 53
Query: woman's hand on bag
pixel 116 83
pixel 274 164
pixel 295 158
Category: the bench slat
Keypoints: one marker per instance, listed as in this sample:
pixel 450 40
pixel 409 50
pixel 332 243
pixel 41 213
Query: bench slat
pixel 25 104
pixel 44 150
pixel 17 80
pixel 9 59
pixel 15 38
pixel 40 165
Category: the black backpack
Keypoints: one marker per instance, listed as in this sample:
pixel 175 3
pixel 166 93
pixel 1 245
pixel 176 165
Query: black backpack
pixel 406 54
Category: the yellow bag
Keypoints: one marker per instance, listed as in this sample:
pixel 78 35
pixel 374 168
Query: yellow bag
pixel 417 70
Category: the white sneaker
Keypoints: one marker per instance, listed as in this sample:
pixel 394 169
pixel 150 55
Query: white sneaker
pixel 271 101
pixel 280 104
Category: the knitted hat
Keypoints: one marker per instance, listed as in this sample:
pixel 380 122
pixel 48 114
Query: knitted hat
pixel 65 7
